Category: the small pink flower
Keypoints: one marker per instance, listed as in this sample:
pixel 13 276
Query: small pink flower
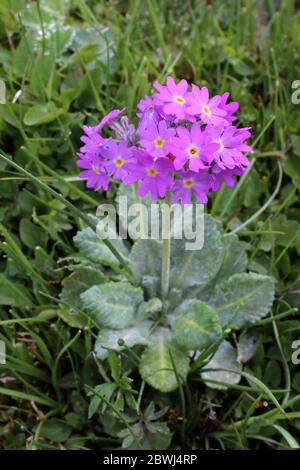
pixel 155 138
pixel 152 175
pixel 93 172
pixel 230 146
pixel 93 142
pixel 194 147
pixel 117 156
pixel 225 175
pixel 229 108
pixel 145 105
pixel 172 97
pixel 189 184
pixel 199 104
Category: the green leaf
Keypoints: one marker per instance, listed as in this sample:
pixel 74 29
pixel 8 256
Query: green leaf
pixel 195 268
pixel 234 259
pixel 75 284
pixel 78 282
pixel 145 263
pixel 115 365
pixel 13 293
pixel 106 391
pixel 149 308
pixel 113 304
pixel 56 430
pixel 243 299
pixel 117 340
pixel 290 229
pixel 41 114
pixel 296 144
pixel 32 235
pixel 94 250
pixel 252 190
pixel 198 328
pixel 156 366
pixel 224 358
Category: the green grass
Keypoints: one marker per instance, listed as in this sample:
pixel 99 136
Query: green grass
pixel 65 63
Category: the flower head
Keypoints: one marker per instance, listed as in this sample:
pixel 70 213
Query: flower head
pixel 224 175
pixel 192 147
pixel 172 97
pixel 199 104
pixel 185 144
pixel 117 156
pixel 189 184
pixel 93 142
pixel 155 138
pixel 145 105
pixel 230 146
pixel 93 172
pixel 153 176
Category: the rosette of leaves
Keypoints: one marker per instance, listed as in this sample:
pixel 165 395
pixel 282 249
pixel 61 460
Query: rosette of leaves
pixel 211 293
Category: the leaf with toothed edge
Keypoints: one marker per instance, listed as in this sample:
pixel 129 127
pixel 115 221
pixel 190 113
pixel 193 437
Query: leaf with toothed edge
pixel 243 299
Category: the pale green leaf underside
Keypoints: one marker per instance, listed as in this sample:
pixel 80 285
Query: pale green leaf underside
pixel 113 305
pixel 224 358
pixel 156 366
pixel 198 328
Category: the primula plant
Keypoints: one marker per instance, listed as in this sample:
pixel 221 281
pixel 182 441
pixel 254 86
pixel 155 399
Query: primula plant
pixel 171 310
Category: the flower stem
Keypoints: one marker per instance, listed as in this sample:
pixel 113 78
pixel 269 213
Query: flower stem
pixel 166 247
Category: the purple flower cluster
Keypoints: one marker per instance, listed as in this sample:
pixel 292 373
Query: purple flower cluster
pixel 185 144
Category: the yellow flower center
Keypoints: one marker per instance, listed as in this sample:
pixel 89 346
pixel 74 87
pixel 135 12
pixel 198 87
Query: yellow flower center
pixel 159 142
pixel 221 146
pixel 96 170
pixel 179 99
pixel 206 110
pixel 193 151
pixel 119 161
pixel 150 107
pixel 151 172
pixel 188 183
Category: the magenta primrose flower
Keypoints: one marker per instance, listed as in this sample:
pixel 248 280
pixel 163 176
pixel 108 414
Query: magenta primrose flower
pixel 156 138
pixel 118 154
pixel 185 145
pixel 207 109
pixel 172 97
pixel 193 147
pixel 152 174
pixel 93 172
pixel 189 184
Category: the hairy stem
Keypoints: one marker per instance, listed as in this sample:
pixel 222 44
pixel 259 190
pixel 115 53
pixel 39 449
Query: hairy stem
pixel 166 246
